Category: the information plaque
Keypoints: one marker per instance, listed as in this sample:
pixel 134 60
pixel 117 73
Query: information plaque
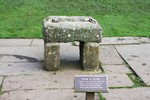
pixel 91 83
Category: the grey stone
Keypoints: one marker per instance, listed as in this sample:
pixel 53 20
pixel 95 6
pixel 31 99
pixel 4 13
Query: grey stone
pixel 36 53
pixel 69 29
pixel 137 56
pixel 119 40
pixel 58 80
pixel 116 69
pixel 119 80
pixel 15 42
pixel 69 58
pixel 21 54
pixel 143 39
pixel 109 55
pixel 41 81
pixel 128 94
pixel 65 94
pixel 37 42
pixel 52 56
pixel 4 58
pixel 89 56
pixel 21 68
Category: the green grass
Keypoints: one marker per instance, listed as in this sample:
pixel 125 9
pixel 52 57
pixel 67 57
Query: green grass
pixel 136 80
pixel 1 92
pixel 101 96
pixel 23 18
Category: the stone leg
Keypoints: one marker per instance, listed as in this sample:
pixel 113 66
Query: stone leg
pixel 89 55
pixel 51 56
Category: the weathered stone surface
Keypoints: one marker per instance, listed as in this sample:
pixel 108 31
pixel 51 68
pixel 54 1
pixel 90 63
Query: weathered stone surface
pixel 68 29
pixel 21 68
pixel 89 56
pixel 37 42
pixel 116 69
pixel 138 57
pixel 128 94
pixel 14 42
pixel 119 80
pixel 52 56
pixel 41 81
pixel 143 39
pixel 58 80
pixel 22 54
pixel 66 94
pixel 15 58
pixel 120 40
pixel 109 55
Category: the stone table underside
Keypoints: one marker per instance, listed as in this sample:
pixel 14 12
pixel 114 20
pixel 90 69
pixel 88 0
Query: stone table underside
pixel 68 29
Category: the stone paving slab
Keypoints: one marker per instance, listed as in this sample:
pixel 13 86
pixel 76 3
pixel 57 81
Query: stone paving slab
pixel 143 39
pixel 119 80
pixel 22 54
pixel 45 81
pixel 37 42
pixel 65 94
pixel 70 67
pixel 138 57
pixel 67 66
pixel 56 81
pixel 15 42
pixel 128 94
pixel 36 53
pixel 10 58
pixel 21 68
pixel 119 40
pixel 116 69
pixel 109 55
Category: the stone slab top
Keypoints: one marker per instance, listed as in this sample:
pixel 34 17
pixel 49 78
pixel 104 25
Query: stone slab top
pixel 71 28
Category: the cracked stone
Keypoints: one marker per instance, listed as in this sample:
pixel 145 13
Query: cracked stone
pixel 137 56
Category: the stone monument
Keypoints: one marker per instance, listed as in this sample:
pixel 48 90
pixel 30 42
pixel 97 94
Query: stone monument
pixel 62 29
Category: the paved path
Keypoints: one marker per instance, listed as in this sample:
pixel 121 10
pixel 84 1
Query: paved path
pixel 22 76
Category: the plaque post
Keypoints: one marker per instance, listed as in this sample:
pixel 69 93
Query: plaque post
pixel 90 84
pixel 90 96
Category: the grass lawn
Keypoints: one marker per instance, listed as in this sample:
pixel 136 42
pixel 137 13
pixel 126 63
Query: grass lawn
pixel 23 18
